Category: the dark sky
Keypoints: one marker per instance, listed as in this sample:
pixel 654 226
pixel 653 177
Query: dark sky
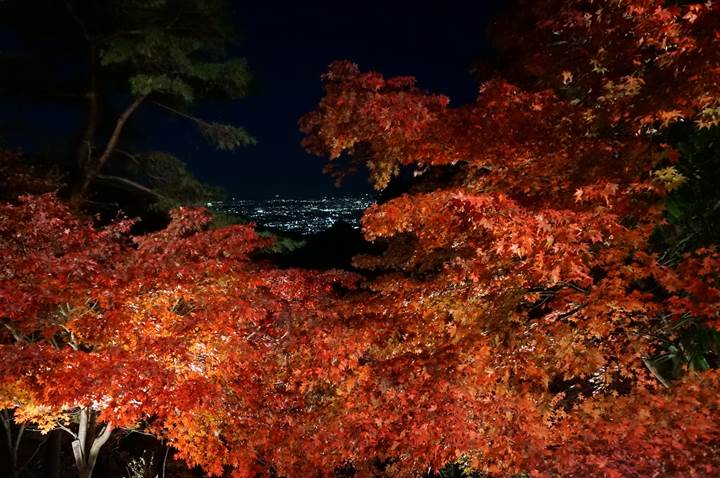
pixel 288 46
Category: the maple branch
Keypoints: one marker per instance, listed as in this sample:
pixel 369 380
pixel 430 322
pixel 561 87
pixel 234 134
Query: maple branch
pixel 675 253
pixel 647 335
pixel 17 335
pixel 573 286
pixel 104 435
pixel 653 369
pixel 167 450
pixel 72 342
pixel 54 342
pixel 72 433
pixel 130 432
pixel 17 440
pixel 14 445
pixel 570 312
pixel 82 436
pixel 98 443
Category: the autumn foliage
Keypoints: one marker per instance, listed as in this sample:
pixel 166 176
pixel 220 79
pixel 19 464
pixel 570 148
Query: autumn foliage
pixel 521 318
pixel 177 333
pixel 521 297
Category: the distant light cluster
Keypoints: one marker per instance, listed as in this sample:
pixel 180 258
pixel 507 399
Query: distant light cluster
pixel 305 216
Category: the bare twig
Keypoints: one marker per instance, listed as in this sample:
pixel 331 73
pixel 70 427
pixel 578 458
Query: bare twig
pixel 194 119
pixel 77 20
pixel 133 184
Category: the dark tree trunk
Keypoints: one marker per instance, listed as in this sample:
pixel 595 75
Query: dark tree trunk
pixel 52 454
pixel 84 150
pixel 85 147
pixel 12 455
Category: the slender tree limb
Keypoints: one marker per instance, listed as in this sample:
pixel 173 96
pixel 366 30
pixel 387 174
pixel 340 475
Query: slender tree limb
pixel 13 445
pixel 77 20
pixel 127 154
pixel 194 119
pixel 115 136
pixel 167 450
pixel 95 168
pixel 654 370
pixel 17 335
pixel 72 342
pixel 85 147
pixel 72 433
pixel 574 286
pixel 130 432
pixel 17 441
pixel 98 443
pixel 32 457
pixel 82 430
pixel 133 184
pixel 6 421
pixel 4 417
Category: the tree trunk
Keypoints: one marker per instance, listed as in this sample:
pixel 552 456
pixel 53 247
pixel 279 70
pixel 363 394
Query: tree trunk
pixel 52 454
pixel 12 454
pixel 84 150
pixel 96 165
pixel 13 443
pixel 87 446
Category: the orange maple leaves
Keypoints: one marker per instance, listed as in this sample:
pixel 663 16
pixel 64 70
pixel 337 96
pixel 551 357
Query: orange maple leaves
pixel 519 262
pixel 177 331
pixel 507 325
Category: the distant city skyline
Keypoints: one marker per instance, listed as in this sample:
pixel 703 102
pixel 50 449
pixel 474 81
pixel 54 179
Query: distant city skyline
pixel 298 215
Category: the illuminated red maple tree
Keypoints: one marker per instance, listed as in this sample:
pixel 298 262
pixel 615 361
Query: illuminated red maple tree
pixel 512 324
pixel 520 302
pixel 177 333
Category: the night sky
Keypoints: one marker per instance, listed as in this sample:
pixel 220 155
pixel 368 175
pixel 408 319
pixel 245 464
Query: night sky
pixel 288 46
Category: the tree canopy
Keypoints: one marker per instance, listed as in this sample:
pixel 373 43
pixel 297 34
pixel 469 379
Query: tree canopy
pixel 169 54
pixel 546 301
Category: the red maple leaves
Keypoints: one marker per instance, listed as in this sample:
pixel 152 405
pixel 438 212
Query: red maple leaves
pixel 178 331
pixel 526 274
pixel 508 326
